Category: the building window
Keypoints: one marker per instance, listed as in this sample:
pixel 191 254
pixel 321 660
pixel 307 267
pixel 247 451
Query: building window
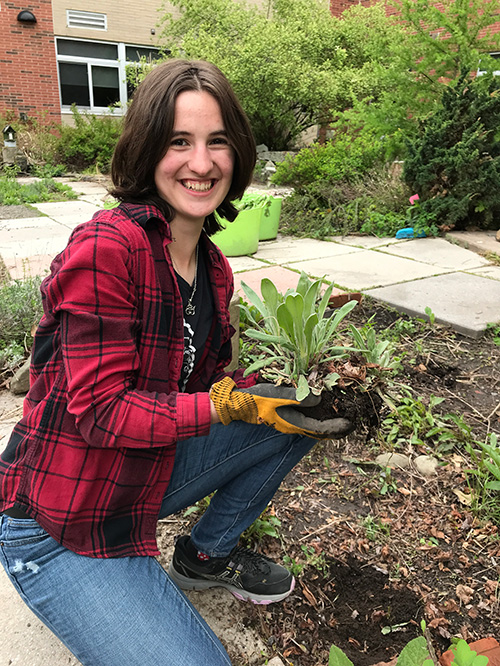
pixel 87 20
pixel 92 74
pixel 495 56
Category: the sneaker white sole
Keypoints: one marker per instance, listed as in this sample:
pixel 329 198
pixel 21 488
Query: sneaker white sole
pixel 243 595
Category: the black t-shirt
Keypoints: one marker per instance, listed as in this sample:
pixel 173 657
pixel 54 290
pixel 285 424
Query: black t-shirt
pixel 196 326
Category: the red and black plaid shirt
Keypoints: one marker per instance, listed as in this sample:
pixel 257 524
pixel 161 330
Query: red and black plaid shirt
pixel 92 456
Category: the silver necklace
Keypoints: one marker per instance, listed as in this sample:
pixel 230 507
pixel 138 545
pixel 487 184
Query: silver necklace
pixel 190 309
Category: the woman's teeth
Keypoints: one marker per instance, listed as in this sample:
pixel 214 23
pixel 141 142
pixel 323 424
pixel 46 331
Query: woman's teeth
pixel 197 186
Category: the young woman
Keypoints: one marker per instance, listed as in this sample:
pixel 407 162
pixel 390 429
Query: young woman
pixel 131 417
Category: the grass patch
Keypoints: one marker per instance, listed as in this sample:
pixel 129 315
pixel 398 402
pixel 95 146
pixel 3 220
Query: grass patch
pixel 13 193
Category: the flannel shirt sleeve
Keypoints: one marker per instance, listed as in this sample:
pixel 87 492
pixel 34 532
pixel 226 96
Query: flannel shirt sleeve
pixel 95 298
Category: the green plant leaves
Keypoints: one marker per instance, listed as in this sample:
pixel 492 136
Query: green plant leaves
pixel 338 658
pixel 465 656
pixel 415 653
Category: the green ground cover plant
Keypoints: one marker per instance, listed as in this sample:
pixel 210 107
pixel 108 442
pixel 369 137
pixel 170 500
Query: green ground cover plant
pixel 416 653
pixel 375 205
pixel 14 193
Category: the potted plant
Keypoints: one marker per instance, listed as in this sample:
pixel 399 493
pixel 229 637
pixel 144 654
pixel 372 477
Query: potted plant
pixel 270 220
pixel 302 346
pixel 241 236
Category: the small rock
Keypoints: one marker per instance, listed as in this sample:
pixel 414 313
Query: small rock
pixel 498 236
pixel 262 148
pixel 20 382
pixel 426 465
pixel 393 460
pixel 275 661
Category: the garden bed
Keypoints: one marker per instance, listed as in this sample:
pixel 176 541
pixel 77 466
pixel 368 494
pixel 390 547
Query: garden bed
pixel 376 550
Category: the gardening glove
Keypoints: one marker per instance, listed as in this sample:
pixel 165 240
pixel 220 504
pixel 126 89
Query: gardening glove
pixel 273 406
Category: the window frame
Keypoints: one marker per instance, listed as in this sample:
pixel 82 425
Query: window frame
pixel 120 64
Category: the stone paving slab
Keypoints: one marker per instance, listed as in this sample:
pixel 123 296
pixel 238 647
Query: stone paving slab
pixel 283 278
pixel 245 263
pixel 478 241
pixel 365 242
pixel 463 301
pixel 492 272
pixel 69 213
pixel 286 250
pixel 436 252
pixel 20 268
pixel 84 187
pixel 367 269
pixel 95 199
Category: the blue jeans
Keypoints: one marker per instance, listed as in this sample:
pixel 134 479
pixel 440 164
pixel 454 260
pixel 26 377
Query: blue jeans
pixel 126 611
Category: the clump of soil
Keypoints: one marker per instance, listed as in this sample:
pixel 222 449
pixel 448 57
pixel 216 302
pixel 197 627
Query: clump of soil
pixel 358 406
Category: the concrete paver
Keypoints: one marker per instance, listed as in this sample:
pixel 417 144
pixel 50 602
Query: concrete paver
pixel 465 302
pixel 367 269
pixel 364 242
pixel 283 279
pixel 288 250
pixel 437 252
pixel 245 263
pixel 69 213
pixel 478 241
pixel 492 272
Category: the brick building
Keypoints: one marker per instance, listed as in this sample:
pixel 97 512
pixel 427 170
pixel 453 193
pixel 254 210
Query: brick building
pixel 71 55
pixel 78 53
pixel 28 70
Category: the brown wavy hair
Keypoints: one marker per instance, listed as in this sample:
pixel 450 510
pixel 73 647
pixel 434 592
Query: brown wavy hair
pixel 148 129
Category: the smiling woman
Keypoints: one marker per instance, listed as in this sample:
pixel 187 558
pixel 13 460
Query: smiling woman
pixel 131 415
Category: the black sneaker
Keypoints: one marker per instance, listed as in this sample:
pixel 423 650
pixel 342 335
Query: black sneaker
pixel 246 574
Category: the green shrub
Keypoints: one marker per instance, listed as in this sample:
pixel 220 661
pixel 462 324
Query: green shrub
pixel 20 309
pixel 344 158
pixel 13 193
pixel 454 163
pixel 90 143
pixel 376 205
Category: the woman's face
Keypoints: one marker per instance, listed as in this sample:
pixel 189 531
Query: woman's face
pixel 195 173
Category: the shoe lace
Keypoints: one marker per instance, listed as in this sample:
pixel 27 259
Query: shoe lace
pixel 250 560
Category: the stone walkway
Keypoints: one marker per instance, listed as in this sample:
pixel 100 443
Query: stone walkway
pixel 457 278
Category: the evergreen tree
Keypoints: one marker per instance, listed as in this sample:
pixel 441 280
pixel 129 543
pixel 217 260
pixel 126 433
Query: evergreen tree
pixel 453 164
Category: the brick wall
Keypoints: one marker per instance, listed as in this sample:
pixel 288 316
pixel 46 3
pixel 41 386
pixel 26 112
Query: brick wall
pixel 28 70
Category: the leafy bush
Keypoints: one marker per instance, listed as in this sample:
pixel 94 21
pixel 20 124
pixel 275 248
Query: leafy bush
pixel 20 309
pixel 376 205
pixel 345 158
pixel 454 163
pixel 90 143
pixel 14 193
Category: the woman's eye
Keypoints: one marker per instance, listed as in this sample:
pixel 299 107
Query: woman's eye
pixel 220 141
pixel 178 142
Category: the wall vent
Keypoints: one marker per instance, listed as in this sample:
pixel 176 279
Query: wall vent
pixel 87 20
